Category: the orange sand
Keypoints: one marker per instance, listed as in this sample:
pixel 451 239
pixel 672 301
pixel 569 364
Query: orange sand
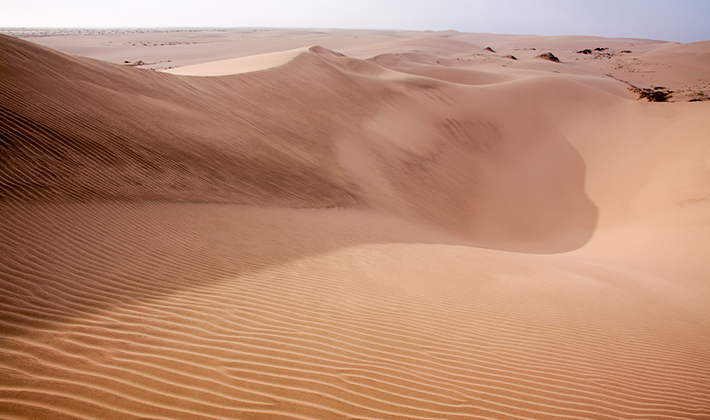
pixel 378 225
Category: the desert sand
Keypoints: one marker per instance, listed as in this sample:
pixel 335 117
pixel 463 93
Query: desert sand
pixel 293 224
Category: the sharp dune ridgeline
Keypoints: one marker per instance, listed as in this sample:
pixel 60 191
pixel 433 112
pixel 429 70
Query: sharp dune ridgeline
pixel 353 224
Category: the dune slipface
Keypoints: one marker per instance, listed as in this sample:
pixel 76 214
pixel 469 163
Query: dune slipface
pixel 424 231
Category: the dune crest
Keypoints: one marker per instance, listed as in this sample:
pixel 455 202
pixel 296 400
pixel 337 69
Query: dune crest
pixel 239 65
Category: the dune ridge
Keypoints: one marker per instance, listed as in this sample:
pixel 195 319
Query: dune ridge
pixel 342 237
pixel 243 158
pixel 239 65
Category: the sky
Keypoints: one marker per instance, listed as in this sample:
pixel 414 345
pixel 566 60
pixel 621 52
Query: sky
pixel 669 20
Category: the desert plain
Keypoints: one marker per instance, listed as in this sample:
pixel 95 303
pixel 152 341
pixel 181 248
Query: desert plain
pixel 322 224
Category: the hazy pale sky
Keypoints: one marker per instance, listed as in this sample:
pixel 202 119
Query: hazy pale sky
pixel 671 20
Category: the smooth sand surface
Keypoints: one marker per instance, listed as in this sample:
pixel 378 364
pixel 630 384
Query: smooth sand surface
pixel 352 224
pixel 239 65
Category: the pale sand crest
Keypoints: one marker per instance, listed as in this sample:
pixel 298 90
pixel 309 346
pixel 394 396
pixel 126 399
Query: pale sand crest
pixel 411 227
pixel 240 64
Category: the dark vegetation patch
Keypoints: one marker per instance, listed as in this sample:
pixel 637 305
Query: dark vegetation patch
pixel 549 56
pixel 653 94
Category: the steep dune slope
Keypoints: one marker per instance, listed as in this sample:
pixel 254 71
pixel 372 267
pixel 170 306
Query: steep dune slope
pixel 331 239
pixel 287 136
pixel 156 136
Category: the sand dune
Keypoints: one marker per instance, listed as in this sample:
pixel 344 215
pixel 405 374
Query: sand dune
pixel 239 65
pixel 378 225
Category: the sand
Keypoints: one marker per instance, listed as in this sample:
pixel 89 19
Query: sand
pixel 239 65
pixel 352 224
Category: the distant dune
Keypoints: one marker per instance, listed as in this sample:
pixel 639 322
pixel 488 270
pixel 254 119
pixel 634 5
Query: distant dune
pixel 239 65
pixel 353 224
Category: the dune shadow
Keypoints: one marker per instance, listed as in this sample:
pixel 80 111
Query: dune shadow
pixel 62 261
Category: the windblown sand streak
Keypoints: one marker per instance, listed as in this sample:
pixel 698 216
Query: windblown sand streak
pixel 332 239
